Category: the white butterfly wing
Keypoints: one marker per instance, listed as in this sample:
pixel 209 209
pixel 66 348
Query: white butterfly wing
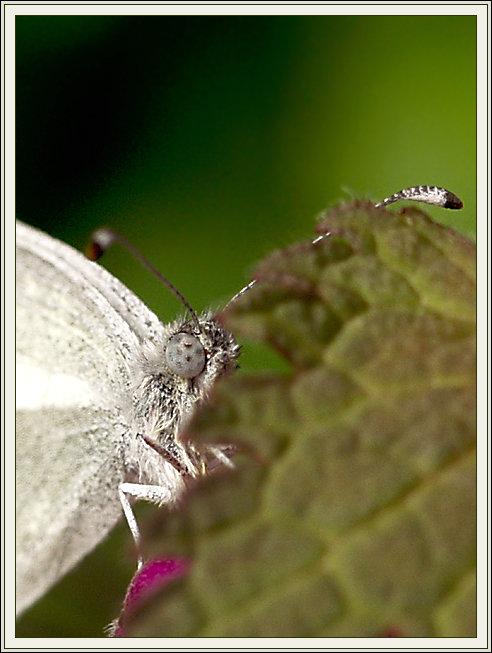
pixel 76 327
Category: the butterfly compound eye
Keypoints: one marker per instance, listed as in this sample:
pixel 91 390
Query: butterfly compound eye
pixel 185 355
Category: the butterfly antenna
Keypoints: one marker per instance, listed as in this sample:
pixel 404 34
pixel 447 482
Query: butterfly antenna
pixel 240 293
pixel 434 195
pixel 101 241
pixel 426 194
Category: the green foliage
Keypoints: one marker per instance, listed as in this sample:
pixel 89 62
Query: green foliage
pixel 352 510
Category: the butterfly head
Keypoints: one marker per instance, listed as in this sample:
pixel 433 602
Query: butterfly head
pixel 204 355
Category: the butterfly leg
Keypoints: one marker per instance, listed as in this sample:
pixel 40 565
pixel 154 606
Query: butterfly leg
pixel 153 493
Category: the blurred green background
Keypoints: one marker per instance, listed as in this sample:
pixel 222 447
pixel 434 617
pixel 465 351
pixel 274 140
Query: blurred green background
pixel 208 142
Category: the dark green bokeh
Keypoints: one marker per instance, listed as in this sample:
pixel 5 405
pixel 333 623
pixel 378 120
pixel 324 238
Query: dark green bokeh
pixel 208 141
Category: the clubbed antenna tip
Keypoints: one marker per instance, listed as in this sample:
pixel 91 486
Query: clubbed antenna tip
pixel 428 195
pixel 101 240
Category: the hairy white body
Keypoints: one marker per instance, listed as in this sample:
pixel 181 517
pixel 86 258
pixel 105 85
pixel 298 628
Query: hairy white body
pixel 93 389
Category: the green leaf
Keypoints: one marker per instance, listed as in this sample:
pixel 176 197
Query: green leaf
pixel 352 509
